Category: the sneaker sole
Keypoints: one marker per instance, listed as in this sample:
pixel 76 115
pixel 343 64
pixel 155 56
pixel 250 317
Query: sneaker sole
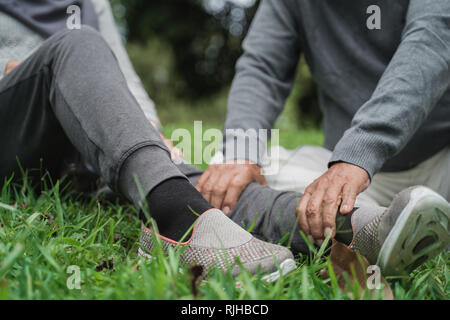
pixel 286 267
pixel 421 232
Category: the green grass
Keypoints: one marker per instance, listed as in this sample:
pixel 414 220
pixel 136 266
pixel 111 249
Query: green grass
pixel 41 235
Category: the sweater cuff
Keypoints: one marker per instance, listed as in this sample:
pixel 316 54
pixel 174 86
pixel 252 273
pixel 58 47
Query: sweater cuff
pixel 364 151
pixel 244 145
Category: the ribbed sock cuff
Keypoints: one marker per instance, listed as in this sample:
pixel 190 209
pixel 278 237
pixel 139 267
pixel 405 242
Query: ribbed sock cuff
pixel 175 205
pixel 143 170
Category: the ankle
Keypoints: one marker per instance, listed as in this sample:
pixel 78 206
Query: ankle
pixel 175 206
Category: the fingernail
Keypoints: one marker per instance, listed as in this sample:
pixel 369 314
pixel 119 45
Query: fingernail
pixel 345 207
pixel 226 210
pixel 327 231
pixel 311 239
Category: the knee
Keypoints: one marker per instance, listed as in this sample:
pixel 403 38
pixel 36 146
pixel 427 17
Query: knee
pixel 81 37
pixel 78 41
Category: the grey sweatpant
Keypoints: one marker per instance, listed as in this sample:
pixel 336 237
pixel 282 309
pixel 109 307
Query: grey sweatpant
pixel 71 97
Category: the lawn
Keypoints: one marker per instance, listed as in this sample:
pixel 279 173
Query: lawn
pixel 47 240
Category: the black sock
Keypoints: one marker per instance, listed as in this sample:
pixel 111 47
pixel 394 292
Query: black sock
pixel 344 228
pixel 171 204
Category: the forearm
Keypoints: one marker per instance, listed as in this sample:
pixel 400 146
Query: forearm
pixel 413 83
pixel 264 78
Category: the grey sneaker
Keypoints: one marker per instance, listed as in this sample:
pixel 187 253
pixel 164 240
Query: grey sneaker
pixel 218 241
pixel 412 230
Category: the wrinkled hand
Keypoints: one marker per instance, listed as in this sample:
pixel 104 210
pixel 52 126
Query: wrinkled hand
pixel 10 66
pixel 317 209
pixel 222 184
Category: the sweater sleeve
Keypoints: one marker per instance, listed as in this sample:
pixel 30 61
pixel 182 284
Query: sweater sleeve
pixel 3 63
pixel 413 83
pixel 264 77
pixel 109 32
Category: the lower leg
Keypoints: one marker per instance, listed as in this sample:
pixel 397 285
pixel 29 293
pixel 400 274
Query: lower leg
pixel 271 214
pixel 399 238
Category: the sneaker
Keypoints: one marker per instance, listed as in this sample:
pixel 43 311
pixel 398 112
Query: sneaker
pixel 398 239
pixel 217 241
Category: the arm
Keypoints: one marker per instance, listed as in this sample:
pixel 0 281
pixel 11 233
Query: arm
pixel 264 77
pixel 109 32
pixel 415 80
pixel 264 74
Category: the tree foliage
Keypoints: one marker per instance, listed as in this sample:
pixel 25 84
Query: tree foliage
pixel 204 49
pixel 187 49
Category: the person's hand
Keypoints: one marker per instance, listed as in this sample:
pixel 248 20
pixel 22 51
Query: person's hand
pixel 175 153
pixel 10 66
pixel 317 209
pixel 222 184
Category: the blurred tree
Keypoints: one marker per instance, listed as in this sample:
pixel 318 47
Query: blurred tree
pixel 187 49
pixel 205 37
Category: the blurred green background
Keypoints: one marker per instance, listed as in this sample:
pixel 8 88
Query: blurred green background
pixel 185 52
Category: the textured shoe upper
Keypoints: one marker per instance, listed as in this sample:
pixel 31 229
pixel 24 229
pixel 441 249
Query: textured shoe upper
pixel 370 237
pixel 215 230
pixel 367 242
pixel 218 241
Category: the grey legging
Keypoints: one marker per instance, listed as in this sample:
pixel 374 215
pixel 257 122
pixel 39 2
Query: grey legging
pixel 71 96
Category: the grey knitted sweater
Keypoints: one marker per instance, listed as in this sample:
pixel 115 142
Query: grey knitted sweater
pixel 384 92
